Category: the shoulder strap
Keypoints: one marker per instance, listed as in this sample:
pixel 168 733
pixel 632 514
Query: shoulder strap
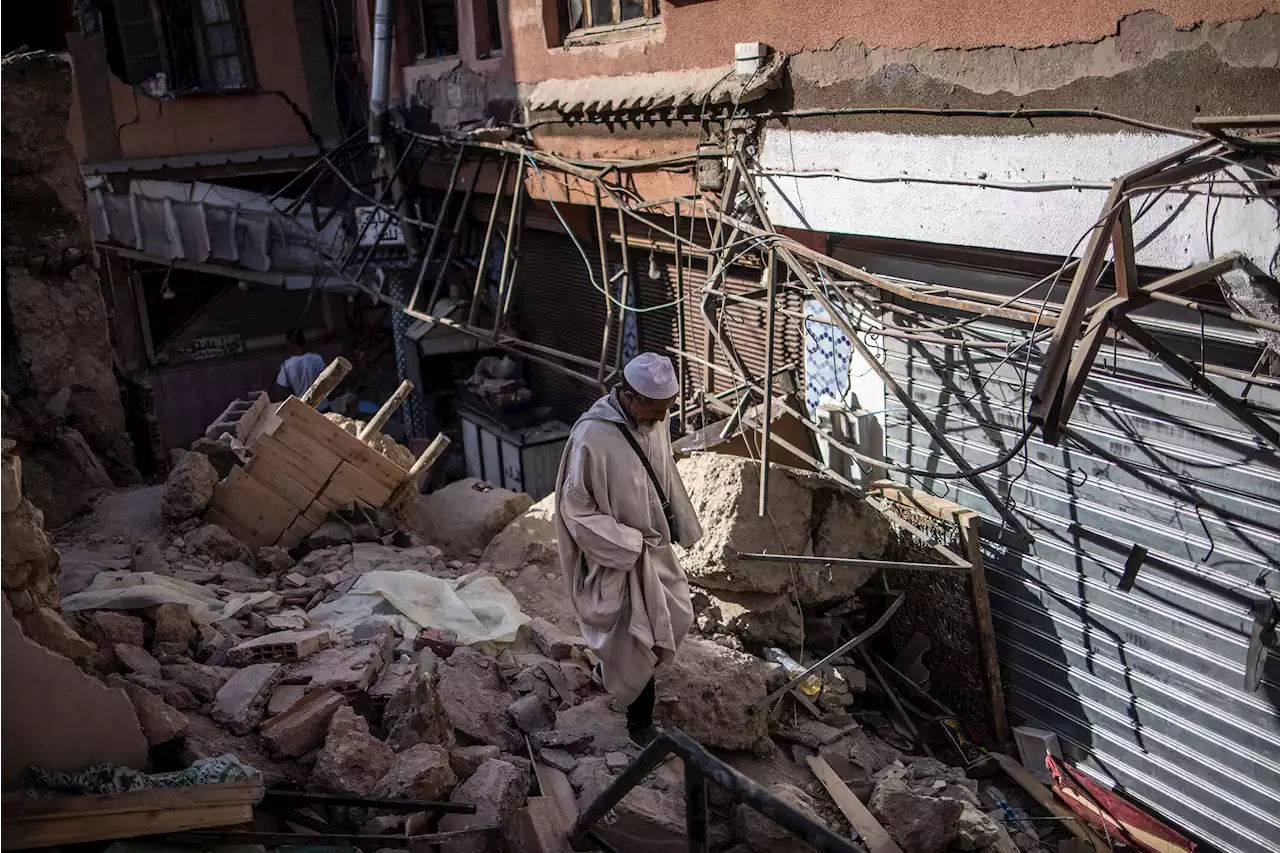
pixel 653 478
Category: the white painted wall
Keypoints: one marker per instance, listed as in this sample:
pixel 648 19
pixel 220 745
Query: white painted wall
pixel 1047 222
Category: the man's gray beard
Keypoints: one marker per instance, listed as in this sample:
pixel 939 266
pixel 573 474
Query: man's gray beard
pixel 645 429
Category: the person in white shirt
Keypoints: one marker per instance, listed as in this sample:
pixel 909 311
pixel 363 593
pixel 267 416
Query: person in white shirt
pixel 299 370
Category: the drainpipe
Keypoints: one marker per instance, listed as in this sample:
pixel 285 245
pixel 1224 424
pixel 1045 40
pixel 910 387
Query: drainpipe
pixel 384 19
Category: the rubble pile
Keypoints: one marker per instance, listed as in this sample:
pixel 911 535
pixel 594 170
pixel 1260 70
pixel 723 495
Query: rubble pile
pixel 315 667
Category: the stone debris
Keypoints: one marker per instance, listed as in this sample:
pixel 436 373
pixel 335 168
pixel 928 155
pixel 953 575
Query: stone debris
pixel 706 690
pixel 724 489
pixel 762 835
pixel 467 514
pixel 202 680
pixel 48 628
pixel 283 646
pixel 171 692
pixel 645 819
pixel 283 698
pixel 160 721
pixel 216 542
pixel 528 538
pixel 532 713
pixel 474 699
pixel 929 807
pixel 466 760
pixel 136 659
pixel 550 640
pixel 240 704
pixel 288 620
pixel 303 725
pixel 174 630
pixel 498 790
pixel 109 627
pixel 559 759
pixel 347 670
pixel 421 772
pixel 274 559
pixel 189 487
pixel 352 760
pixel 416 715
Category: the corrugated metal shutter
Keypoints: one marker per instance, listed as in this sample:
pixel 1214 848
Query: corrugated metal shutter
pixel 555 305
pixel 743 324
pixel 1144 687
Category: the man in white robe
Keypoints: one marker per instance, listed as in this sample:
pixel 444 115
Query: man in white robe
pixel 627 586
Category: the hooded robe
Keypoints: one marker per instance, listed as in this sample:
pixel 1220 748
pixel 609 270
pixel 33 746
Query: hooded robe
pixel 625 581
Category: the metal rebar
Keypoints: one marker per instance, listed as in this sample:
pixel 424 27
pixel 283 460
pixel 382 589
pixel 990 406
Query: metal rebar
pixel 851 562
pixel 864 635
pixel 766 421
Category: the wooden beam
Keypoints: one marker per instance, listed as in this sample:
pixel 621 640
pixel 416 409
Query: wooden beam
pixel 984 629
pixel 872 834
pixel 326 382
pixel 375 424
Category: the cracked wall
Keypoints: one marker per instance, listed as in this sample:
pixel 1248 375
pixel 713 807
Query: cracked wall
pixel 1149 69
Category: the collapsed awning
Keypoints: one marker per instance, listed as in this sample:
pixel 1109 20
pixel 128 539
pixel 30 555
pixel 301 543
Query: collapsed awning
pixel 652 91
pixel 206 223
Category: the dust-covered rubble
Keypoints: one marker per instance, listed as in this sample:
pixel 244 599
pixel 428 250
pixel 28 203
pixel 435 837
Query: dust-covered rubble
pixel 380 706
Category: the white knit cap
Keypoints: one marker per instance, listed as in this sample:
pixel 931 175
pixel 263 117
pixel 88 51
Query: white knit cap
pixel 651 375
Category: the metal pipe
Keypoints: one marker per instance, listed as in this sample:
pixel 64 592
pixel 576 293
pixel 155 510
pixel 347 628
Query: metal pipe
pixel 605 281
pixel 384 19
pixel 624 290
pixel 680 306
pixel 766 421
pixel 456 235
pixel 853 563
pixel 1193 305
pixel 512 219
pixel 488 237
pixel 435 233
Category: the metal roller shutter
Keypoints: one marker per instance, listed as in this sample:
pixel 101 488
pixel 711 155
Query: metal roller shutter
pixel 1143 687
pixel 555 305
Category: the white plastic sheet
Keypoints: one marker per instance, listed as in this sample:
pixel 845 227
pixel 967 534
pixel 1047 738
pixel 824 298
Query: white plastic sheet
pixel 135 590
pixel 476 607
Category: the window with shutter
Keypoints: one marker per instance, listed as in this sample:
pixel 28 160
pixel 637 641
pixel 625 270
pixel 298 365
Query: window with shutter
pixel 139 40
pixel 177 46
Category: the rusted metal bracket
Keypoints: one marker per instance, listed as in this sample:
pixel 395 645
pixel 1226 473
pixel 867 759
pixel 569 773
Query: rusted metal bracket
pixel 1048 394
pixel 1237 409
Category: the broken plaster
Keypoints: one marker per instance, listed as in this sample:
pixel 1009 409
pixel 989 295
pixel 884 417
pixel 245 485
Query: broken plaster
pixel 1141 38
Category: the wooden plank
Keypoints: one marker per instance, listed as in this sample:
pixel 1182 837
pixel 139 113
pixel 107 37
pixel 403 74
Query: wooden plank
pixel 18 807
pixel 921 501
pixel 361 485
pixel 307 463
pixel 984 630
pixel 875 836
pixel 301 528
pixel 295 416
pixel 250 504
pixel 335 497
pixel 262 470
pixel 213 516
pixel 317 513
pixel 50 830
pixel 1045 797
pixel 555 784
